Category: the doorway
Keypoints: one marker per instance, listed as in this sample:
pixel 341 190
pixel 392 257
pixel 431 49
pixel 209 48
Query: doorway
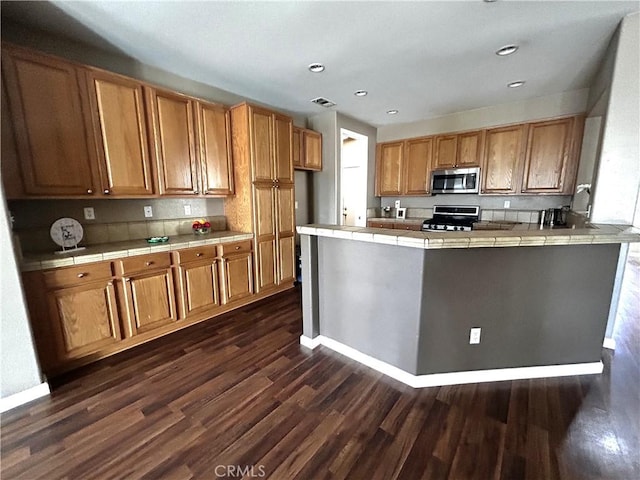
pixel 354 158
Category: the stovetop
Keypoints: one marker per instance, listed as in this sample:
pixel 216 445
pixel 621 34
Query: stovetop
pixel 451 218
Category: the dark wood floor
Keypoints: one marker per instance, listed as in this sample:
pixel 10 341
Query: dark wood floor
pixel 240 392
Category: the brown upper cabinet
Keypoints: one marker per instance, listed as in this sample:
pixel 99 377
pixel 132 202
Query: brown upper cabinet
pixel 307 149
pixel 459 150
pixel 50 119
pixel 120 131
pixel 172 119
pixel 549 165
pixel 528 158
pixel 502 160
pixel 404 168
pixel 83 131
pixel 216 168
pixel 389 168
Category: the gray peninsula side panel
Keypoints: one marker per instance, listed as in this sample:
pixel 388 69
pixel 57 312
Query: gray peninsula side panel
pixel 535 305
pixel 370 298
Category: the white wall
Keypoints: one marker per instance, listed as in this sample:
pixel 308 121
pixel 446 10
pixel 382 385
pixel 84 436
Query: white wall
pixel 19 368
pixel 618 177
pixel 566 103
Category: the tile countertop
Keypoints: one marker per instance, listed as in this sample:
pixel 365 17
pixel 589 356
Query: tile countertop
pixel 111 251
pixel 521 235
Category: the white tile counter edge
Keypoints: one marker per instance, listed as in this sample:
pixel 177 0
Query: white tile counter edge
pixel 454 378
pixel 478 238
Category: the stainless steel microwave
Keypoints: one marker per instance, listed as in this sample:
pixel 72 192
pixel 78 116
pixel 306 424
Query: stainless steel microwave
pixel 457 180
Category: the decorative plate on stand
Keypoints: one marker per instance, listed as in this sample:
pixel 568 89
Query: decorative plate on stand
pixel 66 232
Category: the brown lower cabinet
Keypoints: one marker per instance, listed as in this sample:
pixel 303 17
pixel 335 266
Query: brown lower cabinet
pixel 84 313
pixel 146 292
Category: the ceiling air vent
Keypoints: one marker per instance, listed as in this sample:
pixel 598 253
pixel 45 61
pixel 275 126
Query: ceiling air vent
pixel 323 102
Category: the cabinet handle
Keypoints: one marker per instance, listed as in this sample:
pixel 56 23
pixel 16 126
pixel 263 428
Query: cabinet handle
pixel 109 284
pixel 195 192
pixel 81 275
pixel 148 263
pixel 89 191
pixel 237 248
pixel 198 254
pixel 107 191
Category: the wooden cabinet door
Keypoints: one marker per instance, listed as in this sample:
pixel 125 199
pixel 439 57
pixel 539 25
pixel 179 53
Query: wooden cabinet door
pixel 264 217
pixel 312 150
pixel 260 130
pixel 85 319
pixel 215 149
pixel 547 157
pixel 236 277
pixel 149 301
pixel 120 132
pixel 282 158
pixel 285 199
pixel 417 166
pixel 469 149
pixel 9 162
pixel 446 151
pixel 198 288
pixel 51 124
pixel 297 147
pixel 174 143
pixel 502 159
pixel 389 168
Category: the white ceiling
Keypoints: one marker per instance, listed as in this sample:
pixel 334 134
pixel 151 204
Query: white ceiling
pixel 424 59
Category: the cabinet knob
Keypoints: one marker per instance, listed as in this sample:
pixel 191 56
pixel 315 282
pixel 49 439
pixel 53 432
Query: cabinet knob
pixel 109 284
pixel 198 254
pixel 107 191
pixel 195 192
pixel 148 263
pixel 81 275
pixel 237 248
pixel 89 191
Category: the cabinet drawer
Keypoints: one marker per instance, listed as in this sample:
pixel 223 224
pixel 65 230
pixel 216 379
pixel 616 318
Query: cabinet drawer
pixel 197 253
pixel 235 247
pixel 416 227
pixel 142 263
pixel 372 224
pixel 80 275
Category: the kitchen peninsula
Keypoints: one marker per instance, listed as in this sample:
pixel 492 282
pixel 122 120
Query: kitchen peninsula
pixel 404 302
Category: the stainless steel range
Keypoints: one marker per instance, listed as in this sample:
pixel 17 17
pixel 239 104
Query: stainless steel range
pixel 451 218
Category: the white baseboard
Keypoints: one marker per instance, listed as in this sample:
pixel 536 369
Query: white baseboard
pixel 609 343
pixel 309 342
pixel 454 378
pixel 20 398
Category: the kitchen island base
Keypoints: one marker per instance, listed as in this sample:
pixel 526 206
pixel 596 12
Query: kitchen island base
pixel 542 310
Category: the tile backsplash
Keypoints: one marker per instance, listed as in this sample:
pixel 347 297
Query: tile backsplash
pixel 37 239
pixel 486 215
pixel 115 219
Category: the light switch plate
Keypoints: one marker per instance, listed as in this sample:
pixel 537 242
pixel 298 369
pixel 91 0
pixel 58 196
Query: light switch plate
pixel 507 204
pixel 295 204
pixel 397 203
pixel 148 211
pixel 187 209
pixel 89 213
pixel 474 336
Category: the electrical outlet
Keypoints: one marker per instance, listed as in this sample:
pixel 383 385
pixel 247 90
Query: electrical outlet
pixel 507 204
pixel 397 203
pixel 89 214
pixel 187 209
pixel 295 204
pixel 148 211
pixel 474 336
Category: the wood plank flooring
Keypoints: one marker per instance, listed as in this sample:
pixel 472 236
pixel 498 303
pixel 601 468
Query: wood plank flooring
pixel 238 396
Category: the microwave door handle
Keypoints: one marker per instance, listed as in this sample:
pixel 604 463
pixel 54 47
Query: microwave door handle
pixel 464 182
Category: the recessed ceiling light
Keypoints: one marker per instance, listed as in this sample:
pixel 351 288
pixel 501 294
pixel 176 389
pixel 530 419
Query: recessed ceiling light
pixel 517 84
pixel 490 1
pixel 392 112
pixel 360 93
pixel 507 50
pixel 316 67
